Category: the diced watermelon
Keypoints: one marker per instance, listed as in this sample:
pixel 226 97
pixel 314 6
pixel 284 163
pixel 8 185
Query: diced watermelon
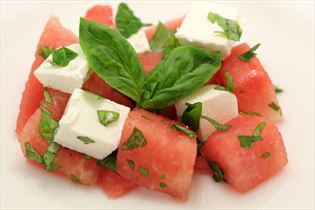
pixel 113 184
pixel 166 160
pixel 245 168
pixel 171 24
pixel 253 87
pixel 60 100
pixel 201 165
pixel 72 163
pixel 149 60
pixel 101 14
pixel 54 36
pixel 169 112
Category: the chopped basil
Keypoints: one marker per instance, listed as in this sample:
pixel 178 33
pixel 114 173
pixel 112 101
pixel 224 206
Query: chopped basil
pixel 135 140
pixel 144 171
pixel 47 125
pixel 275 106
pixel 32 154
pixel 85 139
pixel 147 118
pixel 191 115
pixel 106 117
pixel 199 146
pixel 220 88
pixel 162 185
pixel 185 130
pixel 266 155
pixel 50 155
pixel 252 113
pixel 231 29
pixel 109 161
pixel 44 52
pixel 126 22
pixel 259 128
pixel 131 164
pixel 229 82
pixel 63 56
pixel 162 176
pixel 216 124
pixel 87 157
pixel 278 90
pixel 218 174
pixel 55 166
pixel 47 96
pixel 74 179
pixel 249 54
pixel 247 141
pixel 44 109
pixel 163 40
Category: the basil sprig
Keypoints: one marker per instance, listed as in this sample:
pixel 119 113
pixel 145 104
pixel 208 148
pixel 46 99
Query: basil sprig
pixel 126 22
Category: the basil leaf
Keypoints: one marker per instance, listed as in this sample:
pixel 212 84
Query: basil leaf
pixel 180 73
pixel 55 166
pixel 111 56
pixel 47 96
pixel 229 82
pixel 218 174
pixel 191 116
pixel 126 22
pixel 162 185
pixel 147 118
pixel 252 113
pixel 144 171
pixel 275 106
pixel 188 132
pixel 231 29
pixel 259 128
pixel 266 155
pixel 163 40
pixel 47 125
pixel 248 141
pixel 135 140
pixel 217 125
pixel 44 51
pixel 32 154
pixel 278 90
pixel 221 88
pixel 50 155
pixel 85 139
pixel 87 157
pixel 106 117
pixel 109 161
pixel 63 56
pixel 249 54
pixel 131 164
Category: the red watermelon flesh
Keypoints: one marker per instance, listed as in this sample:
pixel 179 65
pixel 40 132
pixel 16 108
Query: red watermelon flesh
pixel 201 165
pixel 149 60
pixel 101 14
pixel 168 157
pixel 113 184
pixel 245 168
pixel 72 163
pixel 253 87
pixel 54 36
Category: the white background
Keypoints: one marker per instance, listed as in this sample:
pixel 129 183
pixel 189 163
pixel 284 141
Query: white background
pixel 286 32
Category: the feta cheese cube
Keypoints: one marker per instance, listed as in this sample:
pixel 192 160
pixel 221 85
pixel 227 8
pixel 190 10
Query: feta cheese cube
pixel 66 78
pixel 139 42
pixel 216 104
pixel 81 120
pixel 197 29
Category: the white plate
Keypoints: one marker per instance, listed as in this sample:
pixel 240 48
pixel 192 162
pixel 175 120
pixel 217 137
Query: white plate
pixel 286 31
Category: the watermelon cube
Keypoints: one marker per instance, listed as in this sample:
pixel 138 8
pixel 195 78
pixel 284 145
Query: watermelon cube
pixel 246 162
pixel 101 14
pixel 155 155
pixel 253 87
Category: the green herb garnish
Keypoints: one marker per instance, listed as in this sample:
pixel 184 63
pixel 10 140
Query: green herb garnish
pixel 126 22
pixel 109 161
pixel 147 118
pixel 47 96
pixel 85 139
pixel 220 88
pixel 144 171
pixel 74 179
pixel 275 106
pixel 131 164
pixel 216 124
pixel 162 176
pixel 63 56
pixel 247 141
pixel 32 154
pixel 44 52
pixel 87 157
pixel 50 155
pixel 47 125
pixel 231 29
pixel 252 113
pixel 191 115
pixel 278 90
pixel 249 54
pixel 162 185
pixel 266 155
pixel 185 130
pixel 218 174
pixel 135 140
pixel 106 117
pixel 229 82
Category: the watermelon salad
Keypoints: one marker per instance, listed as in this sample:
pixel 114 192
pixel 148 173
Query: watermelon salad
pixel 127 103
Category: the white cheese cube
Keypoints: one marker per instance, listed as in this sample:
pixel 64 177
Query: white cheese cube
pixel 216 104
pixel 197 29
pixel 66 78
pixel 139 42
pixel 81 119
